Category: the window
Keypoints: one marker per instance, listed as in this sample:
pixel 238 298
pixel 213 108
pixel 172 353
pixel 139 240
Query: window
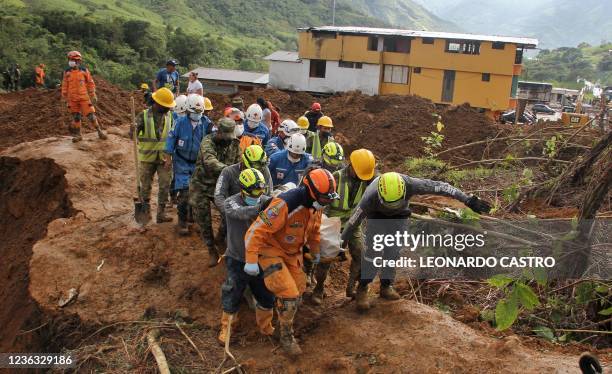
pixel 396 74
pixel 416 70
pixel 396 44
pixel 350 65
pixel 428 40
pixel 467 47
pixel 324 35
pixel 499 45
pixel 518 58
pixel 486 77
pixel 317 68
pixel 373 43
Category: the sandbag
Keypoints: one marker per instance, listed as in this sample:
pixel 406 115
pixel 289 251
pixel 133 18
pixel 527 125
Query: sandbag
pixel 330 237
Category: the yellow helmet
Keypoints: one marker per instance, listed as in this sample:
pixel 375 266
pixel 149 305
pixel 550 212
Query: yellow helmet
pixel 144 86
pixel 207 104
pixel 391 189
pixel 363 162
pixel 333 154
pixel 252 182
pixel 254 157
pixel 164 97
pixel 303 123
pixel 325 121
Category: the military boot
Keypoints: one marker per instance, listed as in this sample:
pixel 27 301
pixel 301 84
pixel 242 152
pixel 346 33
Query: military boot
pixel 76 135
pixel 101 134
pixel 286 314
pixel 320 275
pixel 389 293
pixel 317 294
pixel 161 214
pixel 183 228
pixel 213 254
pixel 352 279
pixel 362 298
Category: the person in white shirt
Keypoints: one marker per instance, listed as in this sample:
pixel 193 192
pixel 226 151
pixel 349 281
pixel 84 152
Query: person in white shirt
pixel 195 86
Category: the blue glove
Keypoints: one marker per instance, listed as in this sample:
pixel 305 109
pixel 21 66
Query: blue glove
pixel 316 259
pixel 251 269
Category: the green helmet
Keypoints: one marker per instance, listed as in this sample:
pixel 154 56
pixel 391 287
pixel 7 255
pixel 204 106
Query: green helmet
pixel 254 157
pixel 391 189
pixel 252 182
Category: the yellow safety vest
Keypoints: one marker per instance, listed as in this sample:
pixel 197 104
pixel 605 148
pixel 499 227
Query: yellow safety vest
pixel 317 148
pixel 149 147
pixel 342 207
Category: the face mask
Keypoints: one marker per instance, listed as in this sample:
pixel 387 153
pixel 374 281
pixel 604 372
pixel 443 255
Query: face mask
pixel 196 117
pixel 317 206
pixel 325 134
pixel 292 159
pixel 238 130
pixel 253 125
pixel 72 63
pixel 250 200
pixel 286 140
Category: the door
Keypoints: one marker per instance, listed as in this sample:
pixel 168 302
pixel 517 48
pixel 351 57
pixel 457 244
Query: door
pixel 448 86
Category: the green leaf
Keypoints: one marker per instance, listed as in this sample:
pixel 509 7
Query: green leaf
pixel 526 296
pixel 606 312
pixel 487 315
pixel 602 289
pixel 584 292
pixel 499 280
pixel 540 276
pixel 545 333
pixel 506 313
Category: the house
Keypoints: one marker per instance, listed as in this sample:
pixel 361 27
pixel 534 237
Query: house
pixel 448 68
pixel 535 92
pixel 227 81
pixel 563 96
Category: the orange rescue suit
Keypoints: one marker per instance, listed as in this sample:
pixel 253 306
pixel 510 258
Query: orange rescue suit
pixel 40 75
pixel 77 89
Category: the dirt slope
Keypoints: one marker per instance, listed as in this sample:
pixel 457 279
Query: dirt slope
pixel 123 274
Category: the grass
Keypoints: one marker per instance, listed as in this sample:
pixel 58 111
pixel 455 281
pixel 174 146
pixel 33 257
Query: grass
pixel 423 167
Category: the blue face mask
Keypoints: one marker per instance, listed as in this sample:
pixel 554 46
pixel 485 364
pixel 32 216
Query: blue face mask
pixel 251 201
pixel 196 117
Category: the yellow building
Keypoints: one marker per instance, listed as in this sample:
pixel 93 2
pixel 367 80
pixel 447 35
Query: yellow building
pixel 446 68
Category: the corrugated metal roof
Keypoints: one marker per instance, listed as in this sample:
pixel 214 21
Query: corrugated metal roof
pixel 527 42
pixel 229 75
pixel 288 56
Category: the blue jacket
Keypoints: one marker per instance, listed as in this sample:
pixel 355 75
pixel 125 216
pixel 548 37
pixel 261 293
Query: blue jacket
pixel 261 131
pixel 209 126
pixel 183 144
pixel 177 117
pixel 168 80
pixel 284 171
pixel 274 145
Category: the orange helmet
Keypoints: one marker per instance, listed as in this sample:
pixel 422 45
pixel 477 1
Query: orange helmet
pixel 74 55
pixel 227 111
pixel 321 186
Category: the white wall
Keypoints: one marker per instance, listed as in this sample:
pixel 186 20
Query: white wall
pixel 295 76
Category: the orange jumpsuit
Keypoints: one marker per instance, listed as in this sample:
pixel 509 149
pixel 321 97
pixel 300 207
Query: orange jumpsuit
pixel 275 241
pixel 40 76
pixel 78 88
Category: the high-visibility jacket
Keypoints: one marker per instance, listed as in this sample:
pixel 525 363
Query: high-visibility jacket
pixel 150 146
pixel 343 206
pixel 317 145
pixel 78 85
pixel 283 228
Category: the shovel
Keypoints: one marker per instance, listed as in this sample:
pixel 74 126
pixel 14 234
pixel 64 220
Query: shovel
pixel 141 208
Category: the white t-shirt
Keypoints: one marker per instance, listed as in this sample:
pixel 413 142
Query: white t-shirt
pixel 194 86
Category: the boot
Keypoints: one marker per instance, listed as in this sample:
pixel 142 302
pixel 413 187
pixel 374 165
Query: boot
pixel 225 323
pixel 77 135
pixel 161 215
pixel 320 275
pixel 389 293
pixel 362 298
pixel 285 319
pixel 101 135
pixel 213 255
pixel 183 228
pixel 264 320
pixel 317 294
pixel 350 286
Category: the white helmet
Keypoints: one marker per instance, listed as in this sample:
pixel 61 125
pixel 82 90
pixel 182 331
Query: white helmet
pixel 297 144
pixel 254 115
pixel 181 104
pixel 288 127
pixel 195 103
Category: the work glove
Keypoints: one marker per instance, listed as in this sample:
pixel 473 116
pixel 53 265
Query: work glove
pixel 477 205
pixel 251 269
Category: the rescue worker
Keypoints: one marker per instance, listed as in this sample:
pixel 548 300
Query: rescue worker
pixel 254 124
pixel 208 124
pixel 183 145
pixel 274 244
pixel 79 94
pixel 313 116
pixel 152 128
pixel 8 79
pixel 241 209
pixel 352 181
pixel 253 157
pixel 387 197
pixel 246 139
pixel 39 76
pixel 168 77
pixel 321 137
pixel 147 98
pixel 180 110
pixel 217 151
pixel 17 77
pixel 303 124
pixel 289 164
pixel 277 143
pixel 333 156
pixel 237 102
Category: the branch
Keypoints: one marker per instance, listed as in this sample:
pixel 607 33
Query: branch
pixel 157 352
pixel 494 160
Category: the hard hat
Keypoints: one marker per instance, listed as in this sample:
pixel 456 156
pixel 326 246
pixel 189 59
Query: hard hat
pixel 391 189
pixel 288 127
pixel 315 107
pixel 333 154
pixel 254 157
pixel 297 144
pixel 164 97
pixel 325 121
pixel 321 185
pixel 303 123
pixel 207 104
pixel 181 104
pixel 254 113
pixel 363 162
pixel 252 182
pixel 171 62
pixel 195 103
pixel 74 55
pixel 227 111
pixel 144 86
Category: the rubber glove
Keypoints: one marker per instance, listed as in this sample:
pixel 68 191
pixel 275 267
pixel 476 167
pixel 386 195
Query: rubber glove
pixel 251 269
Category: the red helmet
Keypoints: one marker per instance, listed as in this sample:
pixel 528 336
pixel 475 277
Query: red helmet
pixel 74 55
pixel 321 186
pixel 315 107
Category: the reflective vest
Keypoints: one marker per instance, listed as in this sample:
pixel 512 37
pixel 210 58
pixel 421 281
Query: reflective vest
pixel 316 149
pixel 342 207
pixel 149 147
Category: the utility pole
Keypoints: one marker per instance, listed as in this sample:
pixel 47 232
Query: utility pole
pixel 334 13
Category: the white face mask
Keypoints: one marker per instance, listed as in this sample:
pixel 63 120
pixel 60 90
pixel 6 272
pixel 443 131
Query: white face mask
pixel 293 159
pixel 238 130
pixel 252 125
pixel 72 63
